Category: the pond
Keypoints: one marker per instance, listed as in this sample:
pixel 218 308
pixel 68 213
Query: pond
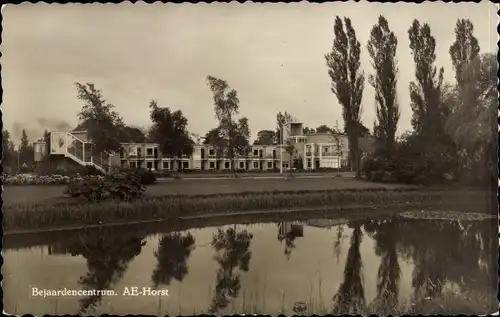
pixel 314 266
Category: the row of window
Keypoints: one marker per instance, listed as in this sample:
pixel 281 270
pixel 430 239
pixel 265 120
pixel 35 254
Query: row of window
pixel 211 152
pixel 185 165
pixel 325 149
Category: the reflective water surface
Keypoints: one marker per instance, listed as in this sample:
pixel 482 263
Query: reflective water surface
pixel 317 265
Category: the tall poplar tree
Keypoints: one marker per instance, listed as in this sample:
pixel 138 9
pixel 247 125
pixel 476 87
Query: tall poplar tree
pixel 347 82
pixel 382 50
pixel 464 49
pixel 425 92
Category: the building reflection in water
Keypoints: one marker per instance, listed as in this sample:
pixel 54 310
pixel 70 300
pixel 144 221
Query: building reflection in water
pixel 288 232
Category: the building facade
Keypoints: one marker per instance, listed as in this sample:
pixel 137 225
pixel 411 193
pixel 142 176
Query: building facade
pixel 311 152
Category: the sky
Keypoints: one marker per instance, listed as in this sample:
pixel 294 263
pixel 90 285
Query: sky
pixel 272 54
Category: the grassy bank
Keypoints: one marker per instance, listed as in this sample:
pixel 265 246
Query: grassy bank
pixel 32 194
pixel 40 216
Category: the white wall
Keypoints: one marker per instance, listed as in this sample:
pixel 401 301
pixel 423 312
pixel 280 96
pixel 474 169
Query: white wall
pixel 58 142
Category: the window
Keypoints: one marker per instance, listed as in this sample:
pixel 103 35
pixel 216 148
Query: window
pixel 212 165
pixel 255 164
pixel 132 151
pixel 269 164
pixel 226 165
pixel 149 151
pixel 256 152
pixel 165 165
pixel 185 165
pixel 211 152
pixel 309 163
pixel 149 165
pixel 242 165
pixel 133 164
pixel 308 150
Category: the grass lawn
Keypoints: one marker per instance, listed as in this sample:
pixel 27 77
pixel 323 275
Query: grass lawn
pixel 33 193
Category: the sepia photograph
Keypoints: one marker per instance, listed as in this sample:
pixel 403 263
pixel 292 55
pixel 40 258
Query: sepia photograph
pixel 250 158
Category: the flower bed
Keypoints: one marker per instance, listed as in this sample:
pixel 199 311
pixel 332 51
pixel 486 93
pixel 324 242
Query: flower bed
pixel 43 180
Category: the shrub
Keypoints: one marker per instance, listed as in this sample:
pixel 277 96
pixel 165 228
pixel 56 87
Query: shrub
pixel 411 163
pixel 147 177
pixel 90 170
pixel 55 179
pixel 121 186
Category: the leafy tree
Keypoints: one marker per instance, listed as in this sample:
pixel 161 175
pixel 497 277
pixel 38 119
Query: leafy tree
pixel 382 49
pixel 265 137
pixel 26 151
pixel 425 93
pixel 361 129
pixel 347 81
pixel 131 134
pixel 465 48
pixel 169 130
pixel 281 120
pixel 104 125
pixel 292 152
pixel 308 130
pixel 213 138
pixel 235 134
pixel 9 155
pixel 473 122
pixel 324 129
pixel 46 139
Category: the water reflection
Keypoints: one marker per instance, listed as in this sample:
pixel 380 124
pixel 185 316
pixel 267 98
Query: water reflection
pixel 288 232
pixel 449 251
pixel 172 255
pixel 384 232
pixel 375 266
pixel 233 255
pixel 350 297
pixel 107 260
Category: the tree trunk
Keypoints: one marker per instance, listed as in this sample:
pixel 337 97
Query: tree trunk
pixel 355 157
pixel 235 172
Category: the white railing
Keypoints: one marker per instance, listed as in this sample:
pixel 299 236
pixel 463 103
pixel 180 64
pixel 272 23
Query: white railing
pixel 82 153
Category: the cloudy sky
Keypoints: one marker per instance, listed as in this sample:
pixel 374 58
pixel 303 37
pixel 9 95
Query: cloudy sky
pixel 272 54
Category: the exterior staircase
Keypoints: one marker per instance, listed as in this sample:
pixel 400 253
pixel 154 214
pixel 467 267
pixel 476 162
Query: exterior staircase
pixel 81 152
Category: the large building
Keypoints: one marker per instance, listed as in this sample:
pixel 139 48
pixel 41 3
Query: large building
pixel 312 151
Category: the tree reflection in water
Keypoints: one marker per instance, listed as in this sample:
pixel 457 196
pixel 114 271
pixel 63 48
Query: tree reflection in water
pixel 172 255
pixel 462 254
pixel 233 256
pixel 107 258
pixel 454 253
pixel 384 232
pixel 350 297
pixel 288 232
pixel 444 251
